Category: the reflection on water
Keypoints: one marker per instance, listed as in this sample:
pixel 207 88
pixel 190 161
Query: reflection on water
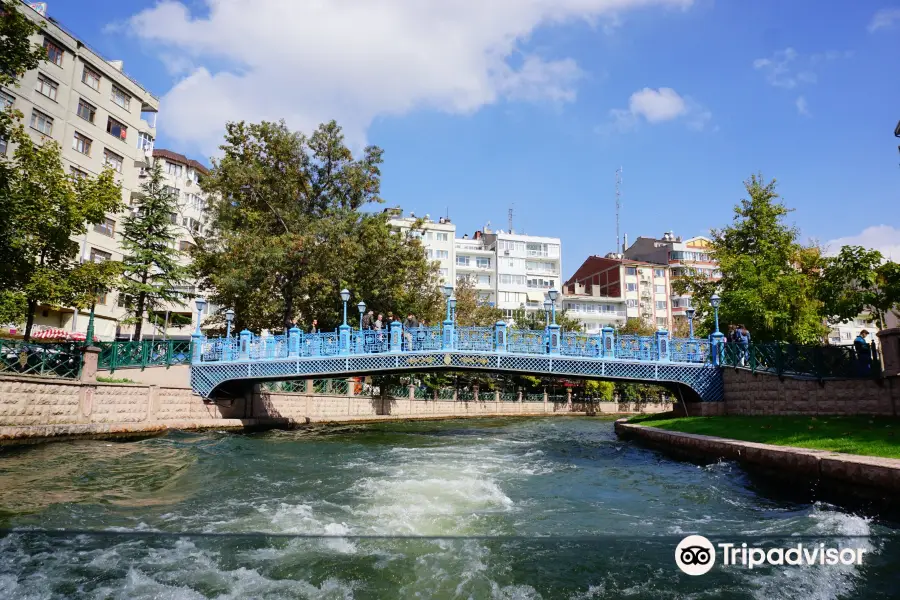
pixel 585 515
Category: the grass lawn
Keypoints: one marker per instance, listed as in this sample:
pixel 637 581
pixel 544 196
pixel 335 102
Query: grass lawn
pixel 870 436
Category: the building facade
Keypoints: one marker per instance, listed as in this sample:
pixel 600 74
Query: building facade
pixel 508 270
pixel 606 291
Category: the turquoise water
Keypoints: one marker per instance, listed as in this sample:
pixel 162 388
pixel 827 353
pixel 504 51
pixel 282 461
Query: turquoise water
pixel 552 508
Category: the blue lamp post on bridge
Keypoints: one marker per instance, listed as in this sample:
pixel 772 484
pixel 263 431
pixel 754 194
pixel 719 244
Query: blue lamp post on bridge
pixel 229 317
pixel 689 313
pixel 553 328
pixel 547 304
pixel 344 329
pixel 197 336
pixel 718 337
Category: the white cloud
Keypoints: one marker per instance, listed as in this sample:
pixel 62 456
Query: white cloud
pixel 658 106
pixel 355 60
pixel 883 238
pixel 884 19
pixel 789 69
pixel 803 107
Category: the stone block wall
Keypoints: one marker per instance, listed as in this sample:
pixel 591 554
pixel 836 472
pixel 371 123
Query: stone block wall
pixel 34 401
pixel 749 393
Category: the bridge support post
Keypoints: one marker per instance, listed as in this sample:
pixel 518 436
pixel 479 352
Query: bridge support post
pixel 196 349
pixel 447 335
pixel 344 340
pixel 270 346
pixel 396 336
pixel 294 342
pixel 553 338
pixel 500 340
pixel 715 347
pixel 244 350
pixel 662 345
pixel 608 341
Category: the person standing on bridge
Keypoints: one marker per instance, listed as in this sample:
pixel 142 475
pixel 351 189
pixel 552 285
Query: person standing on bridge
pixel 863 353
pixel 744 338
pixel 408 324
pixel 368 321
pixel 314 328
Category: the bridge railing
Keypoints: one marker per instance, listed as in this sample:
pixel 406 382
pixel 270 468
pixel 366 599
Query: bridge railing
pixel 140 354
pixel 818 361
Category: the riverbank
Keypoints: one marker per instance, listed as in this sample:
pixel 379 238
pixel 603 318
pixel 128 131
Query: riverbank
pixel 866 481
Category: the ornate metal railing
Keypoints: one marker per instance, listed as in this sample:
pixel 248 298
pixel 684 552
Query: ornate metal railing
pixel 370 341
pixel 28 358
pixel 476 339
pixel 579 344
pixel 151 353
pixel 421 339
pixel 526 341
pixel 821 362
pixel 689 350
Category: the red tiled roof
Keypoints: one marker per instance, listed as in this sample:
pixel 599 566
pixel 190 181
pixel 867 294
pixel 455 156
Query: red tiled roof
pixel 181 158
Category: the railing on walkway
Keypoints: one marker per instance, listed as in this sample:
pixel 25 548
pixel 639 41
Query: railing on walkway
pixel 29 358
pixel 146 353
pixel 821 362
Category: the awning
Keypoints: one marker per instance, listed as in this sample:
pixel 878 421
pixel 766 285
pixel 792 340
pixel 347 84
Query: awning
pixel 535 296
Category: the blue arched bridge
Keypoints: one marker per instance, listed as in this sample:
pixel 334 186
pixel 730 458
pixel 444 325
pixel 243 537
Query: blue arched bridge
pixel 222 364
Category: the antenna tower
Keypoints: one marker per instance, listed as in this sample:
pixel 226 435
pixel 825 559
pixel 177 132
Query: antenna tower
pixel 618 206
pixel 510 218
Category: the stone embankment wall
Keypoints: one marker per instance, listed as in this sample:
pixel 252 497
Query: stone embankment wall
pixel 43 407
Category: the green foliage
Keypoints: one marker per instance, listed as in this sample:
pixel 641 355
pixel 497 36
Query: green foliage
pixel 638 392
pixel 43 209
pixel 537 320
pixel 470 312
pixel 601 390
pixel 17 54
pixel 768 278
pixel 102 379
pixel 13 307
pixel 151 271
pixel 289 233
pixel 857 280
pixel 636 326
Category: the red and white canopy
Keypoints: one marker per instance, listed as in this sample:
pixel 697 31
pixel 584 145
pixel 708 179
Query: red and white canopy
pixel 56 333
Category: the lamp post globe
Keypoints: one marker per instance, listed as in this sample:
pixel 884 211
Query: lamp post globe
pixel 451 304
pixel 362 308
pixel 229 317
pixel 715 301
pixel 201 305
pixel 553 294
pixel 547 305
pixel 345 297
pixel 689 313
pixel 447 291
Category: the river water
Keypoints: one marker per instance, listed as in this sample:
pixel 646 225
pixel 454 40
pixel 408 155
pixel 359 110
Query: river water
pixel 553 508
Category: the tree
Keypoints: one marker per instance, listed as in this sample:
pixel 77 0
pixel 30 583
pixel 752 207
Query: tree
pixel 469 311
pixel 289 234
pixel 857 280
pixel 768 278
pixel 637 326
pixel 151 272
pixel 17 54
pixel 43 209
pixel 601 390
pixel 537 320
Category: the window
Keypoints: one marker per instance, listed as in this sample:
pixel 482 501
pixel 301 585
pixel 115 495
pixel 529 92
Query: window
pixel 631 287
pixel 661 304
pixel 86 110
pixel 124 300
pixel 185 245
pixel 77 173
pixel 462 261
pixel 512 246
pixel 484 280
pixel 120 97
pixel 6 99
pixel 441 236
pixel 512 263
pixel 113 160
pixel 443 273
pixel 100 255
pixel 483 263
pixel 516 297
pixel 659 289
pixel 116 129
pixel 441 254
pixel 101 299
pixel 631 303
pixel 174 169
pixel 54 52
pixel 660 321
pixel 41 122
pixel 47 87
pixel 81 143
pixel 173 218
pixel 659 272
pixel 107 227
pixel 540 283
pixel 174 192
pixel 630 271
pixel 144 141
pixel 90 78
pixel 428 235
pixel 512 279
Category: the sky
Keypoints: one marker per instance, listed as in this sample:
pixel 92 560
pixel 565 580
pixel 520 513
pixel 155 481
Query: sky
pixel 533 104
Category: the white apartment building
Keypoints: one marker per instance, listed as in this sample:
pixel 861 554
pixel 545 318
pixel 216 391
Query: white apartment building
pixel 99 116
pixel 509 270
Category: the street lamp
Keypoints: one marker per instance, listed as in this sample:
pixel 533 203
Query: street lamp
pixel 447 291
pixel 689 312
pixel 229 317
pixel 362 308
pixel 345 297
pixel 451 303
pixel 547 304
pixel 715 301
pixel 553 294
pixel 201 304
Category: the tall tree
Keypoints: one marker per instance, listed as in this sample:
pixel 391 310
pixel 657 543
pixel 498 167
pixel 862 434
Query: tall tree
pixel 536 320
pixel 857 280
pixel 289 233
pixel 637 326
pixel 43 209
pixel 17 53
pixel 469 311
pixel 151 271
pixel 768 278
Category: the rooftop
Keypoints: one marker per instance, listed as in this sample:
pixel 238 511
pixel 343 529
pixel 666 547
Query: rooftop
pixel 180 158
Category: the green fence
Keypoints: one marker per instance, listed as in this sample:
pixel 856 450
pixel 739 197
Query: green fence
pixel 52 359
pixel 820 362
pixel 143 354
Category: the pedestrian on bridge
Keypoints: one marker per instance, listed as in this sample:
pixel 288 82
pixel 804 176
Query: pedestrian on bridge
pixel 314 328
pixel 368 321
pixel 863 353
pixel 744 340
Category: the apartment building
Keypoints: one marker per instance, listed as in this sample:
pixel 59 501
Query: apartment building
pixel 508 270
pixel 99 116
pixel 608 290
pixel 692 256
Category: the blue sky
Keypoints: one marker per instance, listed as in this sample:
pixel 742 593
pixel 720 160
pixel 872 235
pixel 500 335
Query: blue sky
pixel 534 104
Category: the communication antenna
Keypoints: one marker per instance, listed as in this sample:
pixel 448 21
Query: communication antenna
pixel 510 218
pixel 618 205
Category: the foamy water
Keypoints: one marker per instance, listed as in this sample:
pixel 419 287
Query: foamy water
pixel 621 508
